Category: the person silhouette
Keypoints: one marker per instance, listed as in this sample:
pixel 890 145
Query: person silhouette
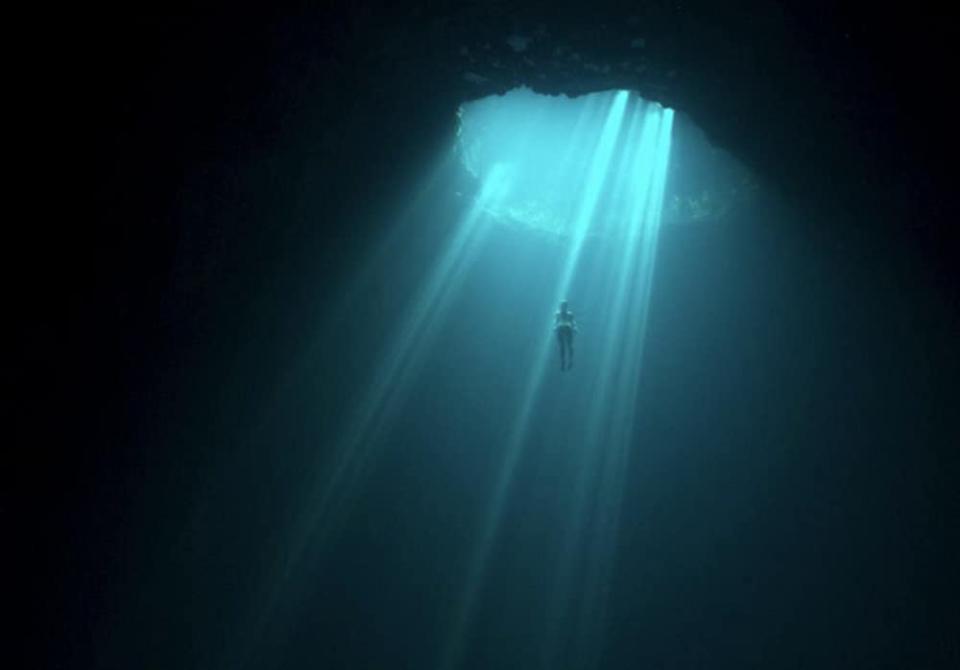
pixel 565 325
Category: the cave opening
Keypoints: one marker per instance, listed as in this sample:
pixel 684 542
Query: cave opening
pixel 542 146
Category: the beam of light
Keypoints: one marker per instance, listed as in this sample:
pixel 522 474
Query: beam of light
pixel 408 351
pixel 403 226
pixel 621 429
pixel 323 507
pixel 636 173
pixel 404 357
pixel 595 178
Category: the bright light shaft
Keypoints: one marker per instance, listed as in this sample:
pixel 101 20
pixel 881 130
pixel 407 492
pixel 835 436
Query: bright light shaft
pixel 403 359
pixel 334 483
pixel 403 227
pixel 596 176
pixel 623 405
pixel 635 179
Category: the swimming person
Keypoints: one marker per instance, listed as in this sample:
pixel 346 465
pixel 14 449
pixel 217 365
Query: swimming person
pixel 565 326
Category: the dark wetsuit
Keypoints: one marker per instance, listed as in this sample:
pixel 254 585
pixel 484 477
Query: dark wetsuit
pixel 565 328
